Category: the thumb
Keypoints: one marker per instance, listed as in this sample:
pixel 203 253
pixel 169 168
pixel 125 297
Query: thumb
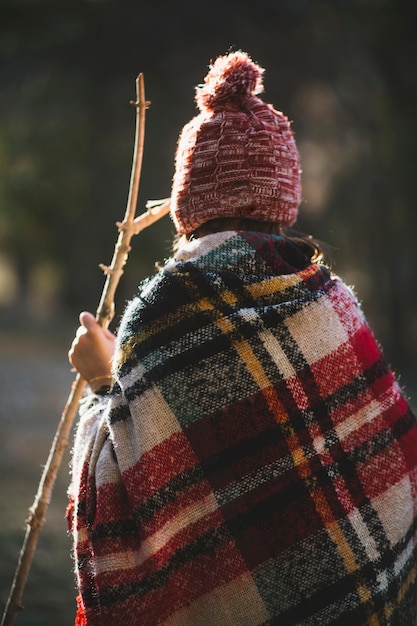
pixel 88 320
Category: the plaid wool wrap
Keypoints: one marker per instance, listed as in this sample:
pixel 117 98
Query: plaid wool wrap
pixel 255 462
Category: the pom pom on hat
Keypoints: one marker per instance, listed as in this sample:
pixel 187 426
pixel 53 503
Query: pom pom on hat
pixel 232 78
pixel 237 157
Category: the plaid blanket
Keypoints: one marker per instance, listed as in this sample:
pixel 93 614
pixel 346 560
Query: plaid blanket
pixel 255 462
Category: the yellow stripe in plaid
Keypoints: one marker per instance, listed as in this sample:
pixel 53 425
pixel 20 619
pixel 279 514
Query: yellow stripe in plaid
pixel 170 319
pixel 279 283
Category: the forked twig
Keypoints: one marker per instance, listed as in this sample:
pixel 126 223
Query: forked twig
pixel 105 312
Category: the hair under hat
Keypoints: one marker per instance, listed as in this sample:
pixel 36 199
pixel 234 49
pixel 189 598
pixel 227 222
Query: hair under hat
pixel 237 157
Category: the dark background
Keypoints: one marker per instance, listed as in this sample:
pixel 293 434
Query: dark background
pixel 343 70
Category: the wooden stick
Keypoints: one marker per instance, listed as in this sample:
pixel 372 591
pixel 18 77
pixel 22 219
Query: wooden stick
pixel 104 315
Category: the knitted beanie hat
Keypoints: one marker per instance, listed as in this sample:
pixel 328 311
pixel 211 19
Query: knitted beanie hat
pixel 237 157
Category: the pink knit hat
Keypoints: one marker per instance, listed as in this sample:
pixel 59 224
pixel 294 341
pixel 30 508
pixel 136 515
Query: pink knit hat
pixel 237 157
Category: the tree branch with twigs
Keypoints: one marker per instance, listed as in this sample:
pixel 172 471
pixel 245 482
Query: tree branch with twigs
pixel 105 312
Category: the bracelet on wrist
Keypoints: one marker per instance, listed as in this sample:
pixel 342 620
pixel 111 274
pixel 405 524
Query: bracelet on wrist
pixel 105 380
pixel 103 390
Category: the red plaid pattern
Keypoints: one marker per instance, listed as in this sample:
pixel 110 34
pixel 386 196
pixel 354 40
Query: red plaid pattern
pixel 255 462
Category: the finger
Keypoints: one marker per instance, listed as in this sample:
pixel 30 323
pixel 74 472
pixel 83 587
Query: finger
pixel 71 352
pixel 81 330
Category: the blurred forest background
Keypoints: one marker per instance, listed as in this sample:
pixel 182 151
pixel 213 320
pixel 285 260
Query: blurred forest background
pixel 343 70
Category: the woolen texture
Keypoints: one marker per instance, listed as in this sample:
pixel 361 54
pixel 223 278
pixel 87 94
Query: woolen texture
pixel 255 462
pixel 238 157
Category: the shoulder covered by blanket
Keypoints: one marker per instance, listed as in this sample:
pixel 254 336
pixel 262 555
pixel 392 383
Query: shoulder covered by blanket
pixel 262 463
pixel 245 277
